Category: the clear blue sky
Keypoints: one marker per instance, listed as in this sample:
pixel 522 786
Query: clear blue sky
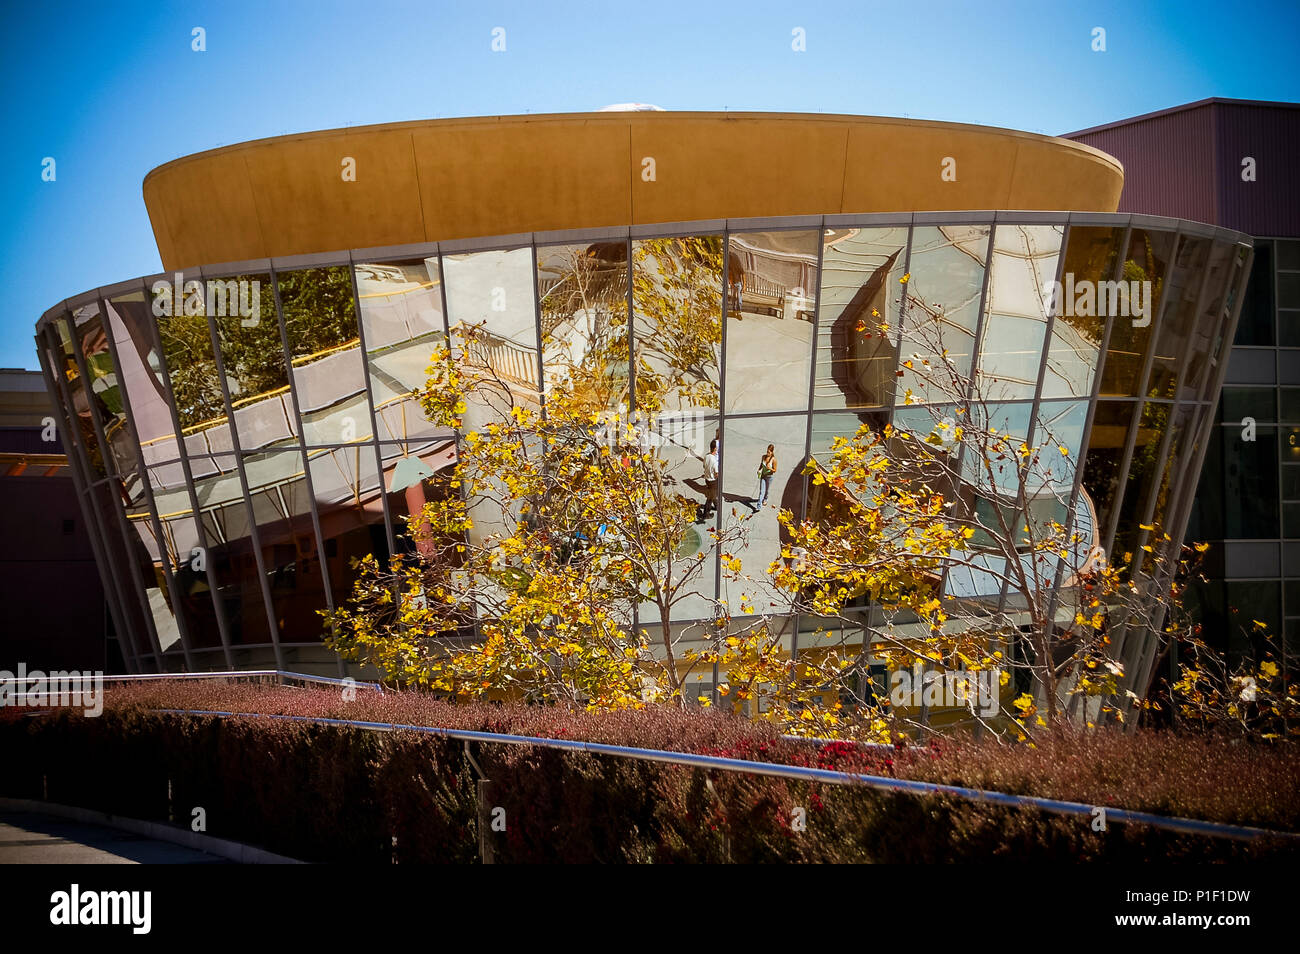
pixel 111 90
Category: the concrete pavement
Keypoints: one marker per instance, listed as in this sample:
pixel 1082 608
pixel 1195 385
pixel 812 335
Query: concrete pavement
pixel 31 838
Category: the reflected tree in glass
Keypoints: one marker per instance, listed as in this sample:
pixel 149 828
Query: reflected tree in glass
pixel 677 334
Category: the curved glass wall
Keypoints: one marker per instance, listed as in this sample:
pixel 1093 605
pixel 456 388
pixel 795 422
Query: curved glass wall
pixel 241 437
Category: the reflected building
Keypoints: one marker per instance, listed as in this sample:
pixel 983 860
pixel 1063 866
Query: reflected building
pixel 243 433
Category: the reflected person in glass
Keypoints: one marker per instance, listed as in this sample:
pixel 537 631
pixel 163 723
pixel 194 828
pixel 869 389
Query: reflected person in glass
pixel 766 470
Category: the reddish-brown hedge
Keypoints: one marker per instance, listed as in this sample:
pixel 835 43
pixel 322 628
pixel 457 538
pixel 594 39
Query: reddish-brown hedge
pixel 341 794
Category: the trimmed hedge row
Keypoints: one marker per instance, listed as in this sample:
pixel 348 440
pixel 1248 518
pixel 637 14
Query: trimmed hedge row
pixel 328 793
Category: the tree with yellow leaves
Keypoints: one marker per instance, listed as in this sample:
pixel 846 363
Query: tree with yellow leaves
pixel 982 490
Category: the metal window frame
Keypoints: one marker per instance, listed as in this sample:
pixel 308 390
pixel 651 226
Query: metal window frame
pixel 254 537
pixel 146 485
pixel 182 451
pixel 286 356
pixel 132 569
pixel 77 464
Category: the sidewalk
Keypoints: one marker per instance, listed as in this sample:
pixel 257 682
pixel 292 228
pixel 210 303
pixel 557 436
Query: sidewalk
pixel 30 838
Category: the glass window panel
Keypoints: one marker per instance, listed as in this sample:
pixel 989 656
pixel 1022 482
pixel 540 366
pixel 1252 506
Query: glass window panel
pixel 1290 479
pixel 1059 435
pixel 827 427
pixel 1288 323
pixel 941 421
pixel 228 526
pixel 1143 472
pixel 86 408
pixel 1224 266
pixel 1255 326
pixel 1009 421
pixel 1289 399
pixel 1291 590
pixel 282 509
pixel 494 292
pixel 1290 439
pixel 192 584
pixel 147 552
pixel 861 289
pixel 1291 521
pixel 1105 454
pixel 401 317
pixel 1019 294
pixel 1252 600
pixel 1182 447
pixel 942 308
pixel 683 443
pixel 1073 350
pixel 124 557
pixel 130 321
pixel 677 323
pixel 582 294
pixel 1145 262
pixel 104 391
pixel 1179 317
pixel 773 286
pixel 191 364
pixel 329 378
pixel 252 354
pixel 748 475
pixel 1288 255
pixel 349 499
pixel 407 485
pixel 1288 290
pixel 1207 517
pixel 1239 403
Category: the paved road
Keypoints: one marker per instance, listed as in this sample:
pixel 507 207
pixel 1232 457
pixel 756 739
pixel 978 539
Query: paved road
pixel 29 838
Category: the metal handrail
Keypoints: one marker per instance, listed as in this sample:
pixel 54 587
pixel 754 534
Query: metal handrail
pixel 796 772
pixel 282 676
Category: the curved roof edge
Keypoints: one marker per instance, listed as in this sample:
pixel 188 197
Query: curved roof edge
pixel 623 116
pixel 433 180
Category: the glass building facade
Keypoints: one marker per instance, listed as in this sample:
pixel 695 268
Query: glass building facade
pixel 241 433
pixel 1248 503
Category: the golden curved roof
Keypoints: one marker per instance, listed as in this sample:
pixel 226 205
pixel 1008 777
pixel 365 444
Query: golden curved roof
pixel 447 179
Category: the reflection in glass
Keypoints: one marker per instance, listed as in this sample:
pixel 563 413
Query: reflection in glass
pixel 943 297
pixel 677 322
pixel 282 509
pixel 88 409
pixel 329 378
pixel 1015 323
pixel 1179 318
pixel 415 474
pixel 773 284
pixel 191 366
pixel 231 557
pixel 104 391
pixel 1224 266
pixel 1145 264
pixel 252 355
pixel 861 289
pixel 130 322
pixel 1105 456
pixel 349 499
pixel 582 296
pixel 401 317
pixel 189 574
pixel 1075 344
pixel 1142 472
pixel 745 463
pixel 1255 326
pixel 492 293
